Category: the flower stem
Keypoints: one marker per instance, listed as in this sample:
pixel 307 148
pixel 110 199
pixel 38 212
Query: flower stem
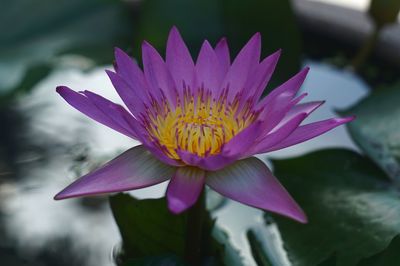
pixel 366 49
pixel 194 227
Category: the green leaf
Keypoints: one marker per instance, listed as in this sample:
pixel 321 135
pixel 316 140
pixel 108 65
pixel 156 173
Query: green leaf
pixel 354 212
pixel 149 230
pixel 389 257
pixel 235 19
pixel 377 128
pixel 147 227
pixel 31 40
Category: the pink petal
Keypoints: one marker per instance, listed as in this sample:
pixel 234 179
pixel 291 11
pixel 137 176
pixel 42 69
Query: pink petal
pixel 111 118
pixel 243 66
pixel 179 61
pixel 209 73
pixel 185 188
pixel 157 75
pixel 222 52
pixel 310 131
pixel 135 168
pixel 250 182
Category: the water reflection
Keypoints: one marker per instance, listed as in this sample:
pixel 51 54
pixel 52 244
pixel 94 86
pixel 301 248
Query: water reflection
pixel 46 144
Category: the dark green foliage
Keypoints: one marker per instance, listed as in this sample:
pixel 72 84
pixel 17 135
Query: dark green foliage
pixel 353 211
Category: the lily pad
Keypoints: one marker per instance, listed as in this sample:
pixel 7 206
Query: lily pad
pixel 377 128
pixel 354 212
pixel 389 257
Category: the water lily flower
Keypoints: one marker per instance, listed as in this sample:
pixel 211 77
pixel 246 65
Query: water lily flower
pixel 199 123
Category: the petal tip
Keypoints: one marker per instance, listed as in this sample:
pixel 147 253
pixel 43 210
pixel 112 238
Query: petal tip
pixel 174 33
pixel 60 196
pixel 301 218
pixel 176 206
pixel 62 89
pixel 118 50
pixel 346 119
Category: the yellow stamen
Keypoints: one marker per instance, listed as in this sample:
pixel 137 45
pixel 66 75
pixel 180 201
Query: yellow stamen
pixel 200 125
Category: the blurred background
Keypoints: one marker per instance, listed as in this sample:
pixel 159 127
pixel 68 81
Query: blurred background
pixel 352 47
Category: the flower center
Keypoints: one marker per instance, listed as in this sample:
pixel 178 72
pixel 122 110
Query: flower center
pixel 200 125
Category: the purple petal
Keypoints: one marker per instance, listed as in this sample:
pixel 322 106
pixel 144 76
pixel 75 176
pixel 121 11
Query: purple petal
pixel 135 168
pixel 240 143
pixel 262 75
pixel 310 131
pixel 222 52
pixel 276 104
pixel 157 75
pixel 159 154
pixel 243 66
pixel 277 135
pixel 250 182
pixel 209 73
pixel 109 118
pixel 131 73
pixel 185 188
pixel 307 108
pixel 179 60
pixel 116 112
pixel 209 163
pixel 128 94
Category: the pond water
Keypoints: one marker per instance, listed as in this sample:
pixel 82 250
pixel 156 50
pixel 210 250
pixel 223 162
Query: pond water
pixel 48 144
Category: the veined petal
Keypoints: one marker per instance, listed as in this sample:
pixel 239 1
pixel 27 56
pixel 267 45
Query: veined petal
pixel 243 66
pixel 276 104
pixel 179 61
pixel 277 135
pixel 307 108
pixel 135 168
pixel 84 105
pixel 160 155
pixel 263 74
pixel 209 73
pixel 129 95
pixel 185 188
pixel 128 70
pixel 222 52
pixel 309 131
pixel 287 90
pixel 250 182
pixel 240 143
pixel 157 75
pixel 209 163
pixel 116 112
